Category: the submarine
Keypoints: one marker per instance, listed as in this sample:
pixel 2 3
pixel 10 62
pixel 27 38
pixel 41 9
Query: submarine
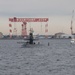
pixel 30 41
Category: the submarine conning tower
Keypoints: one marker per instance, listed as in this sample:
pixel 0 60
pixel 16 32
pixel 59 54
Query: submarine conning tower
pixel 30 38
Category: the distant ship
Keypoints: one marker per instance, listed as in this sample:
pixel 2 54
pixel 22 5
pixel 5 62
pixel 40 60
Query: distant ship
pixel 73 40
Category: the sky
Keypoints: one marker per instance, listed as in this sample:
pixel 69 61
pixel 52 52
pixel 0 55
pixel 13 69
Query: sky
pixel 59 13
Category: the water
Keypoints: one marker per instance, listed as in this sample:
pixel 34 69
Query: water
pixel 56 59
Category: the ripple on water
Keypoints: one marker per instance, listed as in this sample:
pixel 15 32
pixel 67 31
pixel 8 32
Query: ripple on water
pixel 55 59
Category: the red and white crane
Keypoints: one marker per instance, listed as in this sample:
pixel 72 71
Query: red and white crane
pixel 72 22
pixel 24 21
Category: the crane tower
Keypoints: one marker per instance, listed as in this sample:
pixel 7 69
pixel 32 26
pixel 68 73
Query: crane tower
pixel 72 22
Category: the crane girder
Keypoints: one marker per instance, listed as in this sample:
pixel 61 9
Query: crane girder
pixel 28 19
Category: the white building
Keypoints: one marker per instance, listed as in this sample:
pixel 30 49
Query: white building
pixel 62 35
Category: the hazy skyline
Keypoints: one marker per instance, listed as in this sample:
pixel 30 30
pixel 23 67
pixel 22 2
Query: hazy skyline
pixel 59 13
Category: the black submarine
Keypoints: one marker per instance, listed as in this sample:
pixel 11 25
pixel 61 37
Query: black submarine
pixel 31 41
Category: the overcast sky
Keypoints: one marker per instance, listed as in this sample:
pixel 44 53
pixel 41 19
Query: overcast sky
pixel 36 7
pixel 59 11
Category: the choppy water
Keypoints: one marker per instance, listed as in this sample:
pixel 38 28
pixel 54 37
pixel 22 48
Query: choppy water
pixel 56 59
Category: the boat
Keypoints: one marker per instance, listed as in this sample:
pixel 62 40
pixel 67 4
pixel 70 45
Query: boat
pixel 73 40
pixel 30 41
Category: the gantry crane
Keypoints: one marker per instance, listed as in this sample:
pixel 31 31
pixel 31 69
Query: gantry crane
pixel 25 20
